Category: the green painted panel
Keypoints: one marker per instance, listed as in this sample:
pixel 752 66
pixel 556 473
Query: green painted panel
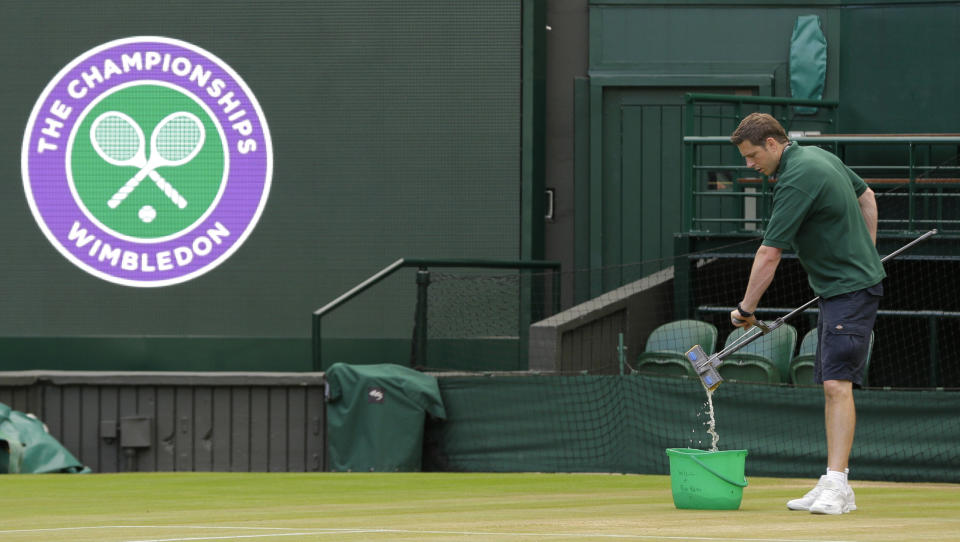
pixel 611 192
pixel 900 69
pixel 582 189
pixel 442 354
pixel 245 354
pixel 155 354
pixel 642 176
pixel 635 209
pixel 651 192
pixel 673 39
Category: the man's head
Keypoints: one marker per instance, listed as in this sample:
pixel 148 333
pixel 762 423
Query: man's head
pixel 761 140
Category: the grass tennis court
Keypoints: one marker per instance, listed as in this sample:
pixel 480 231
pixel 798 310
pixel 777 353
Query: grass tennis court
pixel 444 506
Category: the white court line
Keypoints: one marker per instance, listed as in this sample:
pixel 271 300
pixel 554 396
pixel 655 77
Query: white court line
pixel 142 527
pixel 235 537
pixel 325 531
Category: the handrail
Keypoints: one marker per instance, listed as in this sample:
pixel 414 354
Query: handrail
pixel 377 277
pixel 422 263
pixel 916 174
pixel 767 100
pixel 926 138
pixel 693 100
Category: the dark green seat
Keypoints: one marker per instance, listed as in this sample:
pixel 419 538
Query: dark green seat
pixel 748 367
pixel 766 359
pixel 664 351
pixel 801 366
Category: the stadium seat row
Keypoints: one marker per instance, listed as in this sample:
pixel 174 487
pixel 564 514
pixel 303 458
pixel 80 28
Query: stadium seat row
pixel 769 359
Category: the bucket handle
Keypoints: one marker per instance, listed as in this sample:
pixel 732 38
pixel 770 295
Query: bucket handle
pixel 717 474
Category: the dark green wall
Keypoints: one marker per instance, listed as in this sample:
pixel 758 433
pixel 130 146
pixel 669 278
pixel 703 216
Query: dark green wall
pixel 899 69
pixel 396 133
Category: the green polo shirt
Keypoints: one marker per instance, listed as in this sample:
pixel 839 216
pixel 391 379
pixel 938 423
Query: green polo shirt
pixel 817 215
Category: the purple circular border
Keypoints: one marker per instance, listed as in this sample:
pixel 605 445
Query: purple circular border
pixel 247 185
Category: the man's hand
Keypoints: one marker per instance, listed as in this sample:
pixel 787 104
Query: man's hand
pixel 740 319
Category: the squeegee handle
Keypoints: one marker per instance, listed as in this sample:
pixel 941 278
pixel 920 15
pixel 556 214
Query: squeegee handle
pixel 779 321
pixel 907 246
pixel 745 339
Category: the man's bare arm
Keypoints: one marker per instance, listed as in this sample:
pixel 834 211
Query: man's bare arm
pixel 868 208
pixel 761 275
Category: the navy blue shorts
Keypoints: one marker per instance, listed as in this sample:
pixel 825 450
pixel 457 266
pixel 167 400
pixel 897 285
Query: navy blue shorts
pixel 844 328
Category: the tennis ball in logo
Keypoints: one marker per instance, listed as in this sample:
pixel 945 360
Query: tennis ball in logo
pixel 147 161
pixel 147 214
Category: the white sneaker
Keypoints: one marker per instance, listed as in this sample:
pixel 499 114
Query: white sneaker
pixel 804 503
pixel 835 498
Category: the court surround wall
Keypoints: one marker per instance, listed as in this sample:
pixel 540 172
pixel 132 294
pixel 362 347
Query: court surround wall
pixel 232 422
pixel 498 422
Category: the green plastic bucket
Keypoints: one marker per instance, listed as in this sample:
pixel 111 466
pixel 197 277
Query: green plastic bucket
pixel 703 480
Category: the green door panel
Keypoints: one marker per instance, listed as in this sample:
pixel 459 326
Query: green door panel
pixel 642 176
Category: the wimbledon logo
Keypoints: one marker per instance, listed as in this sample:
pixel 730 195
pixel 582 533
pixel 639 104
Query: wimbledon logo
pixel 147 161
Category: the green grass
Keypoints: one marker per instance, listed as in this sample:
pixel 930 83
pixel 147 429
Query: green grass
pixel 444 506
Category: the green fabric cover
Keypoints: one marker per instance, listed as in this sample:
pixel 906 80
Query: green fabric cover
pixel 376 416
pixel 808 61
pixel 625 423
pixel 27 447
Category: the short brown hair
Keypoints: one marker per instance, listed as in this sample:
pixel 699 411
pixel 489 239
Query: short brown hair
pixel 756 128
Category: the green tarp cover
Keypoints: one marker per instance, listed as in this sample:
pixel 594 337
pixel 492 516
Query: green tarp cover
pixel 376 416
pixel 808 61
pixel 625 423
pixel 27 447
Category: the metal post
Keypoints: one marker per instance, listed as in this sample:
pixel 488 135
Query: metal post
pixel 621 353
pixel 557 277
pixel 934 352
pixel 910 189
pixel 418 354
pixel 682 272
pixel 317 340
pixel 526 318
pixel 688 209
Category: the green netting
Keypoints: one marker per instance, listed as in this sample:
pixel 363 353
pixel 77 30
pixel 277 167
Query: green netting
pixel 625 423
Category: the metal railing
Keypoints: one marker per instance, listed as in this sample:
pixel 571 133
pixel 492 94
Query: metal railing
pixel 917 192
pixel 720 114
pixel 423 265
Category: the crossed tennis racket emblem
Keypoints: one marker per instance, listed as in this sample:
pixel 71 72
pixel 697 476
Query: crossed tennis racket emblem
pixel 175 140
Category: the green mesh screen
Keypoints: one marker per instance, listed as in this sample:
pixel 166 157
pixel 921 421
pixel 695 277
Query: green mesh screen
pixel 474 305
pixel 467 318
pixel 624 424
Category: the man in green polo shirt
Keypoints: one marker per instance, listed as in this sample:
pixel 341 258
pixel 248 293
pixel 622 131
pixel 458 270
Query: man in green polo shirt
pixel 826 214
